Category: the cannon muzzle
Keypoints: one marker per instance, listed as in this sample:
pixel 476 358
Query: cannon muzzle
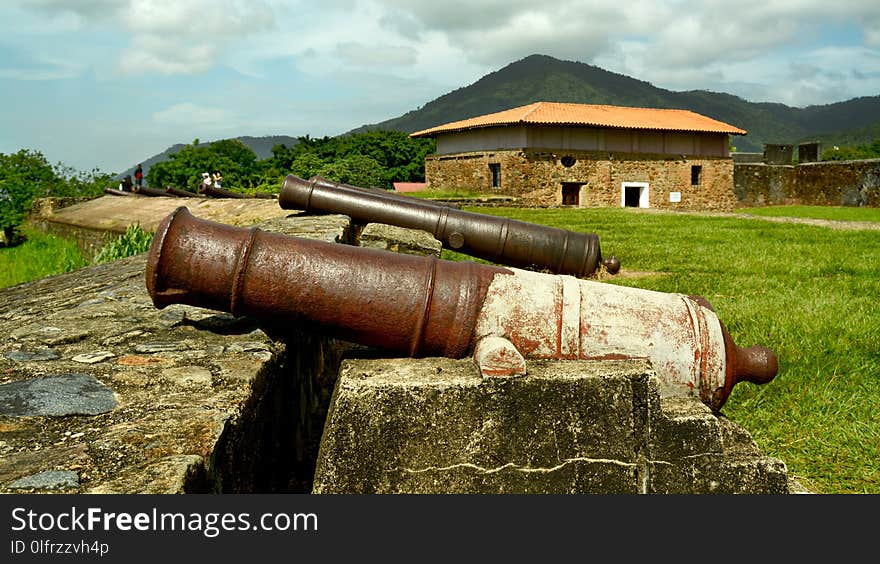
pixel 496 239
pixel 423 306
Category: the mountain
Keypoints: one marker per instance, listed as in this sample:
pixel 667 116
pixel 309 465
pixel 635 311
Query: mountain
pixel 542 78
pixel 262 146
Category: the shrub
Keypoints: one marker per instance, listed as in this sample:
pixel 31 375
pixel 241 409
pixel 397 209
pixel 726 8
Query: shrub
pixel 134 241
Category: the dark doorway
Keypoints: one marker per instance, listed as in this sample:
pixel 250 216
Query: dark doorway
pixel 571 193
pixel 631 196
pixel 696 174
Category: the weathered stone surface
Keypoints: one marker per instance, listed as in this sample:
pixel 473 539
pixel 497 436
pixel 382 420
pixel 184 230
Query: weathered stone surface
pixel 48 480
pixel 399 240
pixel 176 474
pixel 66 394
pixel 436 426
pixel 184 379
pixel 32 356
pixel 93 357
pixel 93 223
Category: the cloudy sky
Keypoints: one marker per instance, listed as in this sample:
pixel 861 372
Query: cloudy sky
pixel 106 83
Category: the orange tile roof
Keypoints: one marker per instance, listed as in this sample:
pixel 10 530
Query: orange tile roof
pixel 557 113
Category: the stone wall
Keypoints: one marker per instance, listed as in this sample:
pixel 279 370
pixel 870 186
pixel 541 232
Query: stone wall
pixel 828 183
pixel 538 176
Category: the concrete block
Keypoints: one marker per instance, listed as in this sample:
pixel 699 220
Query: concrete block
pixel 436 426
pixel 399 240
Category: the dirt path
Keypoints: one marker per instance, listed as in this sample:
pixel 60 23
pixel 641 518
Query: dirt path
pixel 830 223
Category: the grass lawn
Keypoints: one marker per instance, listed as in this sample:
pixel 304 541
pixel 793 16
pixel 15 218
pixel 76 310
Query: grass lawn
pixel 39 256
pixel 809 293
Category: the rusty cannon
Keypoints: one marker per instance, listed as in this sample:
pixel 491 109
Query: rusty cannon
pixel 423 306
pixel 181 193
pixel 153 192
pixel 496 239
pixel 115 192
pixel 215 192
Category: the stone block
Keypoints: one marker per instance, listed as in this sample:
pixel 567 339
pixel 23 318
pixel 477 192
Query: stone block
pixel 437 426
pixel 399 240
pixel 434 426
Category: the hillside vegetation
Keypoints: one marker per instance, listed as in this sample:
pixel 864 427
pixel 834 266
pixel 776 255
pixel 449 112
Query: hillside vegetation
pixel 542 78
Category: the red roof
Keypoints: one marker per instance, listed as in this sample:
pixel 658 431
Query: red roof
pixel 557 113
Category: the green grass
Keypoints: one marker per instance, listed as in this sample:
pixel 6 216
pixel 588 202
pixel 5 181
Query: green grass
pixel 44 255
pixel 839 213
pixel 809 293
pixel 39 256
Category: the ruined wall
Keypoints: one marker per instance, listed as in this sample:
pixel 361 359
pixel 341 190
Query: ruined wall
pixel 538 177
pixel 829 183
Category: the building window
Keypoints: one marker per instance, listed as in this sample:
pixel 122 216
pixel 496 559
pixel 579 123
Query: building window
pixel 495 169
pixel 568 161
pixel 696 173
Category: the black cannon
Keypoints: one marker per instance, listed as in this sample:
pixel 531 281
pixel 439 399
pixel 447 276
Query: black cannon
pixel 497 239
pixel 177 192
pixel 215 192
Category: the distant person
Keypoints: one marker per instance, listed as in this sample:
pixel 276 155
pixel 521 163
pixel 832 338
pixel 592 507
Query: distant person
pixel 218 178
pixel 206 183
pixel 139 177
pixel 126 184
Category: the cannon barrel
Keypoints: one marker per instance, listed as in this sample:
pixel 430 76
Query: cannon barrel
pixel 171 190
pixel 215 192
pixel 497 239
pixel 115 192
pixel 153 192
pixel 423 306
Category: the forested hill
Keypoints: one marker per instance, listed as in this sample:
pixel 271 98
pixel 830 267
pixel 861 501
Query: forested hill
pixel 262 146
pixel 542 78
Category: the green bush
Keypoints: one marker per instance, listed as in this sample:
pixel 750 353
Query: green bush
pixel 133 242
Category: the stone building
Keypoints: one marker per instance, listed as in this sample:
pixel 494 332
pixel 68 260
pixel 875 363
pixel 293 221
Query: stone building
pixel 550 153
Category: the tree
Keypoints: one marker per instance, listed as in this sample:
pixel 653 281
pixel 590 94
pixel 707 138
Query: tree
pixel 852 152
pixel 399 157
pixel 183 169
pixel 358 170
pixel 307 165
pixel 24 175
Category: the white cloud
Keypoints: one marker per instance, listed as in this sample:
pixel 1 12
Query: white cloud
pixel 47 69
pixel 324 67
pixel 361 54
